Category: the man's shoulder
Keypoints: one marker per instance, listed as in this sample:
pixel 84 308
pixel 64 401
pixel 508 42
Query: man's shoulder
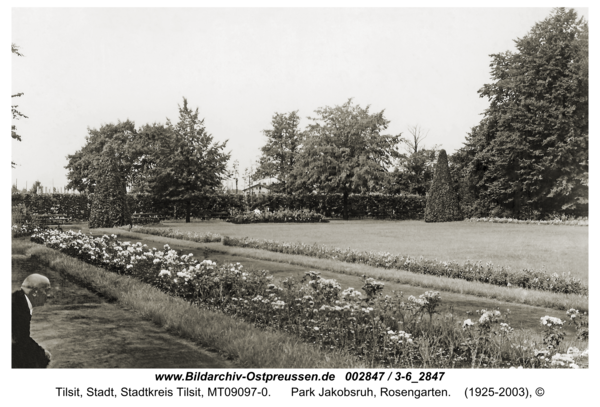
pixel 18 297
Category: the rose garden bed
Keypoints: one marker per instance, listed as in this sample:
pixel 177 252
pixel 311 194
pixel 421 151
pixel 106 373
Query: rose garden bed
pixel 382 330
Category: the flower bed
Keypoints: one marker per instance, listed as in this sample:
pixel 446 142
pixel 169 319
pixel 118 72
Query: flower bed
pixel 383 330
pixel 557 221
pixel 175 234
pixel 284 215
pixel 27 229
pixel 470 271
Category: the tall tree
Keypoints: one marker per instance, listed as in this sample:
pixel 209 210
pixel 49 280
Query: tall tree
pixel 16 114
pixel 187 163
pixel 122 136
pixel 530 151
pixel 144 152
pixel 345 151
pixel 279 154
pixel 414 168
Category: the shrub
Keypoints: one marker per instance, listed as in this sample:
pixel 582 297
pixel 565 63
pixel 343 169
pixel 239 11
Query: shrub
pixel 442 201
pixel 74 206
pixel 27 229
pixel 280 216
pixel 109 205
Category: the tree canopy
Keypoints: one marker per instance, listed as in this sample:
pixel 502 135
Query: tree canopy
pixel 530 151
pixel 124 139
pixel 279 154
pixel 414 168
pixel 187 163
pixel 345 152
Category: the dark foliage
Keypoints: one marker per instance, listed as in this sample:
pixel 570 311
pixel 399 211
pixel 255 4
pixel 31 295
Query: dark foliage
pixel 442 201
pixel 345 152
pixel 280 152
pixel 529 155
pixel 109 204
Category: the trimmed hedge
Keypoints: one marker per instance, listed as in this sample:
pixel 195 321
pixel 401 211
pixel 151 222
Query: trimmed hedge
pixel 380 206
pixel 76 206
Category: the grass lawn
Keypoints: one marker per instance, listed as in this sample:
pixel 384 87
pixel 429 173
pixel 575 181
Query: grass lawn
pixel 553 248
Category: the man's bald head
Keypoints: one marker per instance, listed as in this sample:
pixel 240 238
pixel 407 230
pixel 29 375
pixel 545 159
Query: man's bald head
pixel 36 287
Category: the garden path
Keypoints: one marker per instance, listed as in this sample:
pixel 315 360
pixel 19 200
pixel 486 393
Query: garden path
pixel 84 330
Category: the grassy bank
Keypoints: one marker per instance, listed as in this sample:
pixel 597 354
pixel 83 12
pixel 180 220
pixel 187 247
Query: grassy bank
pixel 247 345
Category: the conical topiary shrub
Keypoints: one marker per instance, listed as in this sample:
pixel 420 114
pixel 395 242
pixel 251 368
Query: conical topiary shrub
pixel 442 201
pixel 109 204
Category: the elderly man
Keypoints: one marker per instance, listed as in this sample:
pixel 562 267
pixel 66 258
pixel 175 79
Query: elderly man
pixel 26 353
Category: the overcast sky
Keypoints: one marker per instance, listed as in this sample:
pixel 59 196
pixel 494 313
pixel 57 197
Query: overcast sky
pixel 87 67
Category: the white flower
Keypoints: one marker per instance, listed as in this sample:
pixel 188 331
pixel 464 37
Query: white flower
pixel 551 321
pixel 165 273
pixel 467 323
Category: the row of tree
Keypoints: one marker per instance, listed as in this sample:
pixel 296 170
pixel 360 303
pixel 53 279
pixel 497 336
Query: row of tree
pixel 526 158
pixel 178 162
pixel 344 151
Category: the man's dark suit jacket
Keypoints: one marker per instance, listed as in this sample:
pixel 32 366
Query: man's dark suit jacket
pixel 25 351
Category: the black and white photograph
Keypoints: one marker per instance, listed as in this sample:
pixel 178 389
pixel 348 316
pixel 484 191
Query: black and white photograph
pixel 287 204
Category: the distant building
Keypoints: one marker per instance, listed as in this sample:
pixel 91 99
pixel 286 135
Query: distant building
pixel 260 187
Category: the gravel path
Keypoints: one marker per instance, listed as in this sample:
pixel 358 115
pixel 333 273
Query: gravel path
pixel 83 330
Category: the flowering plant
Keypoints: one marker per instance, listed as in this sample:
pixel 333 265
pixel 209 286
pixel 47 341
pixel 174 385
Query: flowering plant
pixel 553 334
pixel 380 329
pixel 581 322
